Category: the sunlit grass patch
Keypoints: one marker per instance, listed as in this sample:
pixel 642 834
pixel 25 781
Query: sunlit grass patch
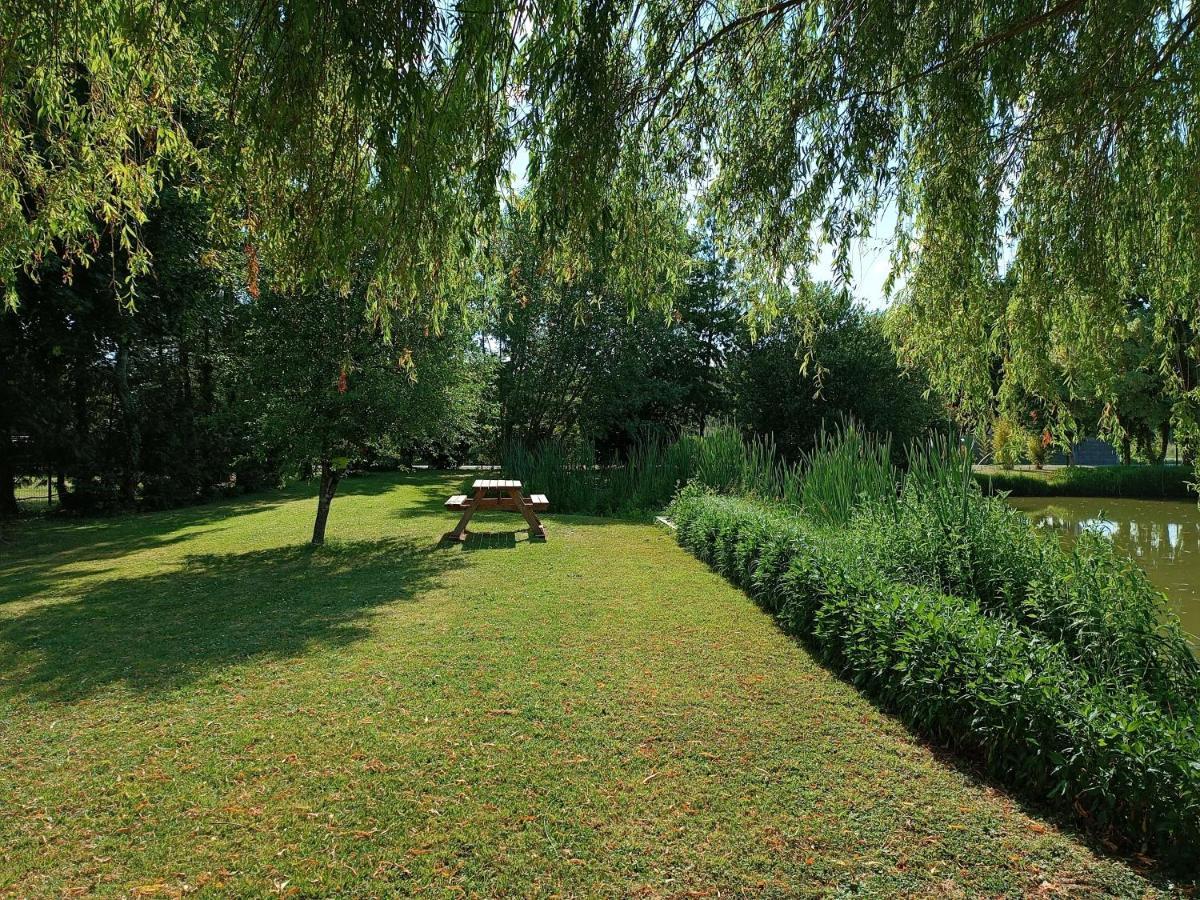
pixel 196 700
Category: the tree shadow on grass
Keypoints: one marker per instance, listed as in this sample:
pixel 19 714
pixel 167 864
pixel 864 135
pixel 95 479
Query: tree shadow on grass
pixel 971 764
pixel 163 631
pixel 43 554
pixel 491 540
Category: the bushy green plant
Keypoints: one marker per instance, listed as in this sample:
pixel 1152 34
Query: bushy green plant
pixel 990 684
pixel 1006 443
pixel 647 476
pixel 1097 604
pixel 644 479
pixel 1037 446
pixel 720 459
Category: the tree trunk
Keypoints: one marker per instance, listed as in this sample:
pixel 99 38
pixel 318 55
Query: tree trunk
pixel 1164 436
pixel 329 482
pixel 131 433
pixel 10 390
pixel 8 474
pixel 1126 450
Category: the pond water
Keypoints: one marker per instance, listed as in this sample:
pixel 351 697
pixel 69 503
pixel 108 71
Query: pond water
pixel 1162 535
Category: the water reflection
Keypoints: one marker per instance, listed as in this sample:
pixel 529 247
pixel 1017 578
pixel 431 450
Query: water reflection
pixel 1162 535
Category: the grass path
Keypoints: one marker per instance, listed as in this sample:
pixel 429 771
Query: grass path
pixel 194 701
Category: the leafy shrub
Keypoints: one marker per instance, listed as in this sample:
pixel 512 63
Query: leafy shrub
pixel 1036 448
pixel 166 492
pixel 982 683
pixel 1006 443
pixel 649 474
pixel 726 463
pixel 848 467
pixel 644 479
pixel 1096 603
pixel 720 460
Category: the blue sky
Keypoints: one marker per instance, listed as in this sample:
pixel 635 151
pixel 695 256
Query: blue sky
pixel 869 262
pixel 869 269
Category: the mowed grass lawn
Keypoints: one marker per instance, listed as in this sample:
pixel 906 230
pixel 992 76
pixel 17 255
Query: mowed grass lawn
pixel 195 701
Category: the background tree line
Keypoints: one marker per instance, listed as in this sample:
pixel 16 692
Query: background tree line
pixel 215 387
pixel 1040 160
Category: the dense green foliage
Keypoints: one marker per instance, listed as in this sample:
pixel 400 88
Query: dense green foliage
pixel 1040 156
pixel 1130 398
pixel 126 407
pixel 209 390
pixel 1054 668
pixel 847 464
pixel 576 371
pixel 1141 482
pixel 1040 160
pixel 940 532
pixel 578 364
pixel 280 384
pixel 327 389
pixel 643 479
pixel 775 389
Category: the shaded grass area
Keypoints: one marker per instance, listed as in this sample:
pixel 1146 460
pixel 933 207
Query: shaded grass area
pixel 1133 481
pixel 192 700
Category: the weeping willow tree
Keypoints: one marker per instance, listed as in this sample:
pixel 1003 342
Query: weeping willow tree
pixel 319 128
pixel 1040 154
pixel 316 129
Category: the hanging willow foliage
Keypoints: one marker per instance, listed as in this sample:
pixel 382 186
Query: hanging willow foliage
pixel 1040 153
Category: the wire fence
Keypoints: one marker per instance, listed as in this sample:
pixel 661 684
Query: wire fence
pixel 33 485
pixel 35 493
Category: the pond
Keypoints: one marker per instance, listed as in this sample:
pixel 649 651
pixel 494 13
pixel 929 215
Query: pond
pixel 1162 535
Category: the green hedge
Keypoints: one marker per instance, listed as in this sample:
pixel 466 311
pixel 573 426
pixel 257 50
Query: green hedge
pixel 1093 601
pixel 1134 482
pixel 981 683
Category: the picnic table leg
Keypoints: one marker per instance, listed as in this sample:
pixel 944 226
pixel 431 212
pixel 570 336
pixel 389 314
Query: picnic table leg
pixel 460 530
pixel 536 528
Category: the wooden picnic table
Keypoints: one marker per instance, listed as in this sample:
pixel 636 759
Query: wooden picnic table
pixel 497 493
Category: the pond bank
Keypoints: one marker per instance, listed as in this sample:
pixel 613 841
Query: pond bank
pixel 1162 535
pixel 1133 481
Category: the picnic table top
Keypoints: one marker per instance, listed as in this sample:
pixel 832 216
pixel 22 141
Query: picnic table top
pixel 492 483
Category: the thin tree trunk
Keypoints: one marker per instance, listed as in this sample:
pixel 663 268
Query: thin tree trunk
pixel 1126 450
pixel 329 482
pixel 129 424
pixel 9 392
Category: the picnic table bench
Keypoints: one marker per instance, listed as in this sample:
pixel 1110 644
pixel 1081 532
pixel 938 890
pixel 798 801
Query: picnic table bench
pixel 495 493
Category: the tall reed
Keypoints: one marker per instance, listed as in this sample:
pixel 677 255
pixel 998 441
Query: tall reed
pixel 576 481
pixel 847 468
